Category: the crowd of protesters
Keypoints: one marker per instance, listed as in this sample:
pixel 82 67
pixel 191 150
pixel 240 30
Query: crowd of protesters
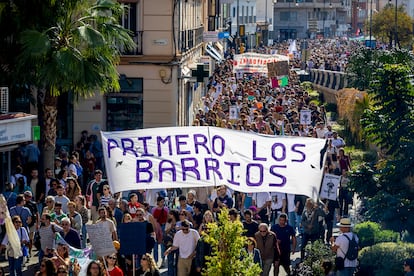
pixel 74 192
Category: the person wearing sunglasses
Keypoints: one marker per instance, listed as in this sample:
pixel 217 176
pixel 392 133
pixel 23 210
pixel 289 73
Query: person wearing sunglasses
pixel 15 264
pixel 111 266
pixel 148 266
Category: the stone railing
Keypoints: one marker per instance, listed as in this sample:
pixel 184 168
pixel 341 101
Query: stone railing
pixel 328 82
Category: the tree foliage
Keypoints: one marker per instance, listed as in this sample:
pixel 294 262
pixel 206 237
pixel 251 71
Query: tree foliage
pixel 383 26
pixel 228 254
pixel 389 124
pixel 351 105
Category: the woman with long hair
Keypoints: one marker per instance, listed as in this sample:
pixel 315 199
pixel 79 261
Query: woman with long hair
pixel 207 218
pixel 62 177
pixel 94 269
pixel 148 266
pixel 61 255
pixel 111 266
pixel 47 268
pixel 72 188
pixel 83 211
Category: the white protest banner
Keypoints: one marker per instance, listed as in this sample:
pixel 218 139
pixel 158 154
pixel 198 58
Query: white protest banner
pixel 207 156
pixel 255 63
pixel 101 239
pixel 330 186
pixel 305 117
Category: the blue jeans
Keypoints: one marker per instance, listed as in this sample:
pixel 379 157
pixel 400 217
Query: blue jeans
pixel 347 271
pixel 15 266
pixel 172 263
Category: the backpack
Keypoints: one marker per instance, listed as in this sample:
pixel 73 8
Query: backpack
pixel 352 252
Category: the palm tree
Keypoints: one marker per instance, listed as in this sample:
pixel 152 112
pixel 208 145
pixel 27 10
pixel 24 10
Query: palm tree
pixel 78 53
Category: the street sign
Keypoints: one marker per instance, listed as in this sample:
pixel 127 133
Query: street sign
pixel 222 35
pixel 210 36
pixel 36 133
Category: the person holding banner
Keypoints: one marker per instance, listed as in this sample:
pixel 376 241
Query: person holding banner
pixel 15 264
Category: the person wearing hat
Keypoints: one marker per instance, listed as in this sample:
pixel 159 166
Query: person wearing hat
pixel 409 267
pixel 340 246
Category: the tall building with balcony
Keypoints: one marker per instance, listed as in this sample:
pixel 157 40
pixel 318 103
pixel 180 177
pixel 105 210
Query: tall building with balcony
pixel 310 18
pixel 157 89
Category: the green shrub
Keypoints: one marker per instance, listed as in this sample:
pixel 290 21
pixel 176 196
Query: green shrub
pixel 307 85
pixel 228 257
pixel 384 259
pixel 370 233
pixel 317 253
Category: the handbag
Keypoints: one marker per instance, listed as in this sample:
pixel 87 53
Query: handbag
pixel 339 263
pixel 36 241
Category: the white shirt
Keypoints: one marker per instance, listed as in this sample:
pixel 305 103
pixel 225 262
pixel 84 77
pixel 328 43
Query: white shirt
pixel 64 200
pixel 277 200
pixel 343 244
pixel 186 242
pixel 262 198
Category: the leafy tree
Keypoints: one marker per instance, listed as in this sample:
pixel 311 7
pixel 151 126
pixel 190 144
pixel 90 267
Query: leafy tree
pixel 351 106
pixel 383 26
pixel 74 50
pixel 228 255
pixel 389 125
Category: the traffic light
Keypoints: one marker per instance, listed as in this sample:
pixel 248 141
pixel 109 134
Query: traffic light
pixel 242 48
pixel 242 30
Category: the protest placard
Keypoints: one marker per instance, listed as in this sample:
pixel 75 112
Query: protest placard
pixel 330 186
pixel 101 239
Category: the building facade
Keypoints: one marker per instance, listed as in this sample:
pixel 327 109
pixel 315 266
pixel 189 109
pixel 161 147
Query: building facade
pixel 157 87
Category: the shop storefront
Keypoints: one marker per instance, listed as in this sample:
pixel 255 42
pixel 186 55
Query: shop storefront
pixel 15 129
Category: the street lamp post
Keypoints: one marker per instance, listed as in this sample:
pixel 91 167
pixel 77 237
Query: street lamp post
pixel 324 18
pixel 370 26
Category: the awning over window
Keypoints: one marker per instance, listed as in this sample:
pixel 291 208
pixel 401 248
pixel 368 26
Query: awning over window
pixel 213 52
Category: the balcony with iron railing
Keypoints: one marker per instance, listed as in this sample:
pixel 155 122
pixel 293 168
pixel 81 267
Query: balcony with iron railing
pixel 137 37
pixel 190 38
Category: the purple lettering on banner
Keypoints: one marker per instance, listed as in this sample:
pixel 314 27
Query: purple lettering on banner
pixel 128 145
pixel 273 171
pixel 187 168
pixel 162 141
pixel 299 152
pixel 202 142
pixel 232 165
pixel 144 170
pixel 110 147
pixel 214 167
pixel 274 147
pixel 222 144
pixel 260 173
pixel 179 142
pixel 145 145
pixel 254 153
pixel 169 168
